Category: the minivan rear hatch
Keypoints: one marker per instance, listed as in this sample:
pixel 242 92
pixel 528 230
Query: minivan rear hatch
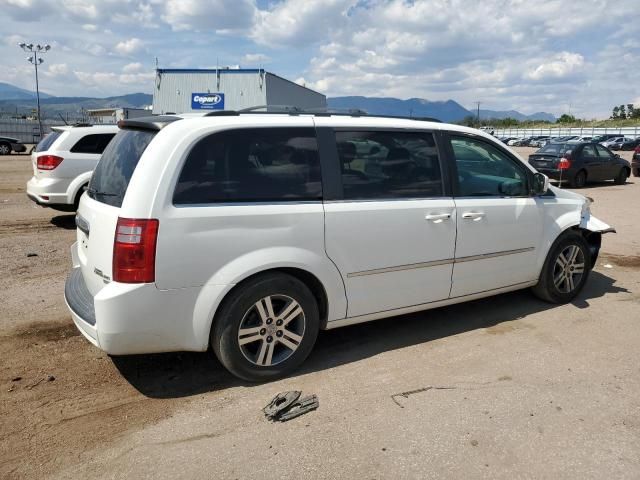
pixel 100 208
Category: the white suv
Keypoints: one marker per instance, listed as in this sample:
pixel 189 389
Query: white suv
pixel 63 163
pixel 249 233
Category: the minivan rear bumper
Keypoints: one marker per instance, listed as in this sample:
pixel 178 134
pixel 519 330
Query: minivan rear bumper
pixel 127 319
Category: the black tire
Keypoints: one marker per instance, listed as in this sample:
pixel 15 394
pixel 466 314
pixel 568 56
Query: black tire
pixel 636 172
pixel 76 201
pixel 5 148
pixel 621 178
pixel 252 361
pixel 560 291
pixel 579 180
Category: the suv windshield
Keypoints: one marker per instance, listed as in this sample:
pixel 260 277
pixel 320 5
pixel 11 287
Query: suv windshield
pixel 116 166
pixel 47 141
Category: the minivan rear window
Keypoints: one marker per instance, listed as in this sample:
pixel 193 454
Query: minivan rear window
pixel 252 165
pixel 47 141
pixel 116 166
pixel 93 144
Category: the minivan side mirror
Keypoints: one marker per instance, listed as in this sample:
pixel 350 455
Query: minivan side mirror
pixel 540 183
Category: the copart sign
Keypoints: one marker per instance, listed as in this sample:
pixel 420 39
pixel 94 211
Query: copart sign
pixel 207 101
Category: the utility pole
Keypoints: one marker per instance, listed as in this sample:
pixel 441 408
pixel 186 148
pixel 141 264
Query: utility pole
pixel 35 60
pixel 478 109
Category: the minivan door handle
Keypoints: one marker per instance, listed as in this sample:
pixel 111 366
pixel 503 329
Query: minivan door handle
pixel 473 215
pixel 438 217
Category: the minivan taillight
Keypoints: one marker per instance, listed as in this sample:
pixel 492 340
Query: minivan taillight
pixel 134 250
pixel 49 162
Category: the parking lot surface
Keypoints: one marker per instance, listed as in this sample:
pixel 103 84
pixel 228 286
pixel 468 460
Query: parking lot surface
pixel 505 387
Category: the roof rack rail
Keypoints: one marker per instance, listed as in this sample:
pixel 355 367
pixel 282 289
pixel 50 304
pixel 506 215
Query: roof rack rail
pixel 82 124
pixel 319 111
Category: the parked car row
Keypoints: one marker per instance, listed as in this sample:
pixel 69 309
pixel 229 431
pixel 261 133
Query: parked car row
pixel 612 141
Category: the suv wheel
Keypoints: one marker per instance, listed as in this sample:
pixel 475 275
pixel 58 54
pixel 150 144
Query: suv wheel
pixel 266 328
pixel 621 178
pixel 565 270
pixel 5 148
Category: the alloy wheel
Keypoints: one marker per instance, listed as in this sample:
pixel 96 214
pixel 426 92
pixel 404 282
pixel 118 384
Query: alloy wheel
pixel 271 330
pixel 568 269
pixel 4 150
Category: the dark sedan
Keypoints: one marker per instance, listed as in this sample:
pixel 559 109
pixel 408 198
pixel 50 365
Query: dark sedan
pixel 579 163
pixel 8 144
pixel 635 162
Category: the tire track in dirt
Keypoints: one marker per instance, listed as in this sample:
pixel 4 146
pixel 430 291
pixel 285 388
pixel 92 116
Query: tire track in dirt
pixel 60 397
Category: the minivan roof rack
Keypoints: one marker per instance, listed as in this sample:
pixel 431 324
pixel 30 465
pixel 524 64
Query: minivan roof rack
pixel 320 112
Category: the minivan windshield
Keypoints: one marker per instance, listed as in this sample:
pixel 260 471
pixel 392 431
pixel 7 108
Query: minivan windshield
pixel 47 141
pixel 116 166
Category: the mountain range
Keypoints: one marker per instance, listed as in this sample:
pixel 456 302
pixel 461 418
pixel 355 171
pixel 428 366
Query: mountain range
pixel 14 99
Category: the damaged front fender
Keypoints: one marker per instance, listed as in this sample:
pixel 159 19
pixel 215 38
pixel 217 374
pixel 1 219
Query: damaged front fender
pixel 593 224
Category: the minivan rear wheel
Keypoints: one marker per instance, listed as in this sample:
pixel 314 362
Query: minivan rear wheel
pixel 565 270
pixel 266 327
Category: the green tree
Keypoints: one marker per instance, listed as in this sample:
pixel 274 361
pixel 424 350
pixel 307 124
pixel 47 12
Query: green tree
pixel 630 110
pixel 623 112
pixel 616 113
pixel 636 113
pixel 566 118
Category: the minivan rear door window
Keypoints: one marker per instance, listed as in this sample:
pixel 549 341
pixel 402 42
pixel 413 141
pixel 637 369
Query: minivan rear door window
pixel 116 166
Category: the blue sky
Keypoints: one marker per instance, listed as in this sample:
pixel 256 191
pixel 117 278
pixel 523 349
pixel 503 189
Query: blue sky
pixel 545 55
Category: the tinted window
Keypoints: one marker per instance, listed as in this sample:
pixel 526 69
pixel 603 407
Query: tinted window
pixel 47 141
pixel 381 164
pixel 114 170
pixel 604 153
pixel 260 164
pixel 483 170
pixel 553 148
pixel 95 143
pixel 589 152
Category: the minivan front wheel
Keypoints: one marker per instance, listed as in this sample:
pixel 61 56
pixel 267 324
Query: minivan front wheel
pixel 565 270
pixel 266 327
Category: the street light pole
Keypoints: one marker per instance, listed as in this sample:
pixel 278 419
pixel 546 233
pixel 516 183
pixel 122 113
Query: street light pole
pixel 36 60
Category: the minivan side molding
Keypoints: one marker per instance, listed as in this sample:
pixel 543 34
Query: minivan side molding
pixel 437 263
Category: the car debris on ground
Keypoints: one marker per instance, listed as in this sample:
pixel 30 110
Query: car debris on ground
pixel 288 405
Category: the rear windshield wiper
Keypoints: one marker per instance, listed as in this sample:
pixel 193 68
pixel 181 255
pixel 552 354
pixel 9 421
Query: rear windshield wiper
pixel 93 191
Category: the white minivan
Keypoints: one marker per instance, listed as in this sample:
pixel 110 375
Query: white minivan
pixel 247 233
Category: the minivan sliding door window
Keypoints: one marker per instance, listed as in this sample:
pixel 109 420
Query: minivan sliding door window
pixel 388 165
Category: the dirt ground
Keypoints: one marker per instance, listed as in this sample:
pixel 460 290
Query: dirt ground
pixel 506 387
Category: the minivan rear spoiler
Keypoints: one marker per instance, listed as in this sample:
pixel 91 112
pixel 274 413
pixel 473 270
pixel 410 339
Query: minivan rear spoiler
pixel 156 122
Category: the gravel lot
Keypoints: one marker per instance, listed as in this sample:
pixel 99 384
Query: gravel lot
pixel 510 387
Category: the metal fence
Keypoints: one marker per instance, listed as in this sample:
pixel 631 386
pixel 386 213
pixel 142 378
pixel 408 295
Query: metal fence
pixel 27 131
pixel 560 131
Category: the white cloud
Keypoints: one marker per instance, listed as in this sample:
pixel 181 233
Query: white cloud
pixel 58 69
pixel 256 58
pixel 89 27
pixel 299 22
pixel 132 67
pixel 127 47
pixel 558 66
pixel 212 15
